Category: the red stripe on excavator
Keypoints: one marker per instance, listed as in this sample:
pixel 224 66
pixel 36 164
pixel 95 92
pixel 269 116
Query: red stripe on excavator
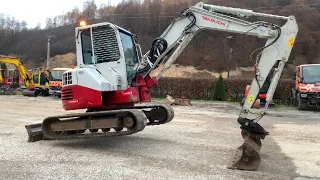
pixel 80 97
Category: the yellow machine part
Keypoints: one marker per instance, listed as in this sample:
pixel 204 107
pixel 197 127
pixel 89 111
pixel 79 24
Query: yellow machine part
pixel 35 80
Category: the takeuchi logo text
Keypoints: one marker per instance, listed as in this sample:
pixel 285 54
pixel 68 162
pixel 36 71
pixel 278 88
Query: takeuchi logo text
pixel 213 21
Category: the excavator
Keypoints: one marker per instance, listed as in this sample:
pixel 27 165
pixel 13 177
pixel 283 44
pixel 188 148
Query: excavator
pixel 35 80
pixel 112 77
pixel 40 79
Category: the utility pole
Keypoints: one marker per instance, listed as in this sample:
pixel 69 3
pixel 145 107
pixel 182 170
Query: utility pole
pixel 48 51
pixel 229 63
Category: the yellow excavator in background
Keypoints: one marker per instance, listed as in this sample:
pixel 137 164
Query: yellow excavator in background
pixel 40 79
pixel 36 81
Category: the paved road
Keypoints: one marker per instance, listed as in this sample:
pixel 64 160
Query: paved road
pixel 197 144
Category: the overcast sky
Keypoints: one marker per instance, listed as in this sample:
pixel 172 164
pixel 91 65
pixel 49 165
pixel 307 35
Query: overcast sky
pixel 33 11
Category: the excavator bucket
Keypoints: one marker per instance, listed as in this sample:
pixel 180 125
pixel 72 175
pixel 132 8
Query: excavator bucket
pixel 247 156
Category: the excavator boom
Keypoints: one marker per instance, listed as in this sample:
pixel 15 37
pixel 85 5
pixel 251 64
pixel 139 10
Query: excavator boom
pixel 269 61
pixel 112 75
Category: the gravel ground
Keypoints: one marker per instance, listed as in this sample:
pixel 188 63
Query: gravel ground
pixel 197 144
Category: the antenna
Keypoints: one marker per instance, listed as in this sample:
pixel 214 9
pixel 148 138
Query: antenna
pixel 109 3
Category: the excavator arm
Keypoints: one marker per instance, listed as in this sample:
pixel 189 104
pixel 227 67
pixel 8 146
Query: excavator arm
pixel 269 59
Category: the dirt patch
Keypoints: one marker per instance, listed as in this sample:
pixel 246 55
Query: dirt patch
pixel 65 60
pixel 58 61
pixel 191 72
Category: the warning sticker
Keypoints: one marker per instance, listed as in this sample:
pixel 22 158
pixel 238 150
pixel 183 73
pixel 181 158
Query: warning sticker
pixel 250 98
pixel 291 42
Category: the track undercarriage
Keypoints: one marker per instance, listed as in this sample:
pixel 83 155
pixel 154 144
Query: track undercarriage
pixel 100 123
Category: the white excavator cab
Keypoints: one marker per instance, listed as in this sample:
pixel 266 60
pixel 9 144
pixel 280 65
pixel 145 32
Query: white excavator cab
pixel 107 55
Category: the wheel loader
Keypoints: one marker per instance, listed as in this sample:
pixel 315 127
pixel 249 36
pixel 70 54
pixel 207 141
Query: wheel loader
pixel 112 77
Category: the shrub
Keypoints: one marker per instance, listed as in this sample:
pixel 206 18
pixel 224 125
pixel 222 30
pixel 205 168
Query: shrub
pixel 219 90
pixel 203 89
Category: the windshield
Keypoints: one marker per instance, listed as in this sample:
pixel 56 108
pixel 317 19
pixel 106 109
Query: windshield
pixel 56 75
pixel 311 74
pixel 130 55
pixel 129 49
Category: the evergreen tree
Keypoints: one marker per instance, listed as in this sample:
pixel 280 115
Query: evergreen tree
pixel 219 90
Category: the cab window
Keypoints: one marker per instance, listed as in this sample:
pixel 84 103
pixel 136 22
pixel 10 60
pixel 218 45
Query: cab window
pixel 86 47
pixel 130 54
pixel 36 78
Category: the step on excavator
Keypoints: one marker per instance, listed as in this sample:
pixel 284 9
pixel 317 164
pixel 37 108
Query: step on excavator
pixel 112 76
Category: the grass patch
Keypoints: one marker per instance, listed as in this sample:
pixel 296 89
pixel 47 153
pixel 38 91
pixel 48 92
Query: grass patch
pixel 199 101
pixel 276 107
pixel 281 107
